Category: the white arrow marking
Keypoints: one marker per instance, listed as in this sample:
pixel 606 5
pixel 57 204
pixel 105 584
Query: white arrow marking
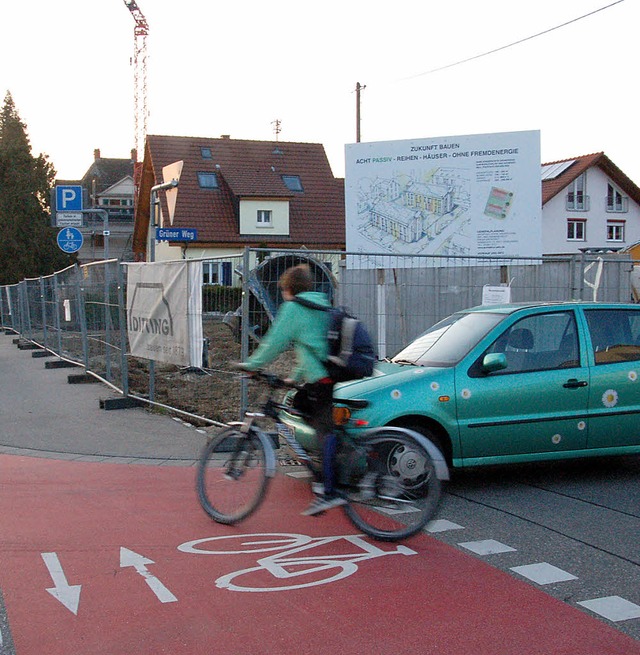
pixel 139 563
pixel 68 595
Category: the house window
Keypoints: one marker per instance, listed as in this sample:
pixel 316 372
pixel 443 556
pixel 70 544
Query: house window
pixel 293 183
pixel 576 230
pixel 577 199
pixel 216 273
pixel 207 180
pixel 615 230
pixel 264 217
pixel 206 153
pixel 616 202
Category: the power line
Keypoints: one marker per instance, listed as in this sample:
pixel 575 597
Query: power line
pixel 504 47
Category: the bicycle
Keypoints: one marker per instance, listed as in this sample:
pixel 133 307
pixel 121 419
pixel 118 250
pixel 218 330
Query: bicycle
pixel 390 477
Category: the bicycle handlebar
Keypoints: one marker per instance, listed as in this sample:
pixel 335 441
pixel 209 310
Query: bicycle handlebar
pixel 274 381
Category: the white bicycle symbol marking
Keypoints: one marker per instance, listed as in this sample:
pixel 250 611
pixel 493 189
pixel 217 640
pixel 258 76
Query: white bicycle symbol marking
pixel 288 564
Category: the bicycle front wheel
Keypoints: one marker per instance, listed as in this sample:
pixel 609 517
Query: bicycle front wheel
pixel 399 493
pixel 232 475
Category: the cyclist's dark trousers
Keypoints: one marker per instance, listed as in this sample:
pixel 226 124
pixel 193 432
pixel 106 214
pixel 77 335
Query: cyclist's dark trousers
pixel 320 396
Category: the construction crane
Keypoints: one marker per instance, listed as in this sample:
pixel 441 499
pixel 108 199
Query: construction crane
pixel 140 32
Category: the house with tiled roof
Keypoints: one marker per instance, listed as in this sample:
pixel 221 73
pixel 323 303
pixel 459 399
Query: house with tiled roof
pixel 588 205
pixel 236 193
pixel 107 186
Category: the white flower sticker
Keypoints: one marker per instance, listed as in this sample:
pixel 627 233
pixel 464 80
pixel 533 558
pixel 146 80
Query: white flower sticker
pixel 395 394
pixel 581 425
pixel 556 439
pixel 466 394
pixel 632 375
pixel 435 386
pixel 610 398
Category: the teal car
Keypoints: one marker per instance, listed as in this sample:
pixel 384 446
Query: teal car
pixel 513 383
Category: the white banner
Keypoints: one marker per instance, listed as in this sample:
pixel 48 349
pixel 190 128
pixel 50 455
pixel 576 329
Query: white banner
pixel 164 312
pixel 459 195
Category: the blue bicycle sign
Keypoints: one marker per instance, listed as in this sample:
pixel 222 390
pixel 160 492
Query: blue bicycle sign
pixel 70 239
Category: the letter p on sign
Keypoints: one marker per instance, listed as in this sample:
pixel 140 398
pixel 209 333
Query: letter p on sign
pixel 68 198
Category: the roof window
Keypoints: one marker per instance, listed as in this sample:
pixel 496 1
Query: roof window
pixel 207 180
pixel 293 183
pixel 206 153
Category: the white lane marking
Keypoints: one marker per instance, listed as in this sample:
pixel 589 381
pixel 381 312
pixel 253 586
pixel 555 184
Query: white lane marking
pixel 442 525
pixel 486 547
pixel 543 573
pixel 613 608
pixel 139 563
pixel 68 595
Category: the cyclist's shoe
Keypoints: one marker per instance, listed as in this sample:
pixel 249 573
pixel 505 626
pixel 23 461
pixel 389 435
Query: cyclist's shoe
pixel 322 504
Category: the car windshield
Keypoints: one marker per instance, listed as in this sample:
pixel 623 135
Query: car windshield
pixel 448 341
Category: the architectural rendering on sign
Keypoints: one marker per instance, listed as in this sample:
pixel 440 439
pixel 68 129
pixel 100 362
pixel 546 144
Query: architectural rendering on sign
pixel 460 195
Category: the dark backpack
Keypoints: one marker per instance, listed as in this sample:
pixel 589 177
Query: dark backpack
pixel 351 352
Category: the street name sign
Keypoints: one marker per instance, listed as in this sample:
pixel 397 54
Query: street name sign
pixel 176 234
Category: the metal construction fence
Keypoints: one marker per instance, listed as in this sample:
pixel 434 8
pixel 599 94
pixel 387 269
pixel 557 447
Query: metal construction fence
pixel 79 314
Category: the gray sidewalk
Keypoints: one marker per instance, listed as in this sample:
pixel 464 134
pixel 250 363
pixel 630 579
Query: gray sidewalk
pixel 42 415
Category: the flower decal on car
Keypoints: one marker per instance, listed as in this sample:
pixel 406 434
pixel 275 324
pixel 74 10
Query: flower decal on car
pixel 610 398
pixel 435 386
pixel 466 394
pixel 632 375
pixel 396 393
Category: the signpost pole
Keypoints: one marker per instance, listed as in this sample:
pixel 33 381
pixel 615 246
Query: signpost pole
pixel 153 221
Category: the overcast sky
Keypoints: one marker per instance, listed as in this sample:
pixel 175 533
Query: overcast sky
pixel 235 67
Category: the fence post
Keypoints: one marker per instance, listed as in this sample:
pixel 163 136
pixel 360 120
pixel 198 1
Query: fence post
pixel 107 322
pixel 43 307
pixel 24 302
pixel 56 302
pixel 244 332
pixel 122 319
pixel 82 318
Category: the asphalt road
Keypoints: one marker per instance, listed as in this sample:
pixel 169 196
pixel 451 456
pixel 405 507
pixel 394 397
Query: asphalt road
pixel 582 517
pixel 545 556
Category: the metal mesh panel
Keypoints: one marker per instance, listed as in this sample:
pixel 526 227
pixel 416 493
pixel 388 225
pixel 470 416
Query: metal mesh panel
pixel 80 314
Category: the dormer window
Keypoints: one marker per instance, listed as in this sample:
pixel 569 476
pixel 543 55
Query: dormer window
pixel 207 180
pixel 577 198
pixel 616 202
pixel 293 183
pixel 263 218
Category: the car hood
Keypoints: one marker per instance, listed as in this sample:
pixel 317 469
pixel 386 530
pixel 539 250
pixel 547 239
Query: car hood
pixel 386 374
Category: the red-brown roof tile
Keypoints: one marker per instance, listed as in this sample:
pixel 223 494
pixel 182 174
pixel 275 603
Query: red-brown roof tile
pixel 245 169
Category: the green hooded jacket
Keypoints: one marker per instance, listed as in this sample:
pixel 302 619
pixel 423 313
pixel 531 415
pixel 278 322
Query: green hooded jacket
pixel 305 329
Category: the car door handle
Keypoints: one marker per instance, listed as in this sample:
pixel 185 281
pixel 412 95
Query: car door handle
pixel 573 383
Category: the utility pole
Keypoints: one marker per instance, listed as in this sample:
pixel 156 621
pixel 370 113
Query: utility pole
pixel 359 88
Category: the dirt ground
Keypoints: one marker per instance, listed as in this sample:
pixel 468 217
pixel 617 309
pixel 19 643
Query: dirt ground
pixel 214 392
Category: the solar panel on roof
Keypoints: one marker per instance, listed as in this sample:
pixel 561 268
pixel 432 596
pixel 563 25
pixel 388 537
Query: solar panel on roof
pixel 551 171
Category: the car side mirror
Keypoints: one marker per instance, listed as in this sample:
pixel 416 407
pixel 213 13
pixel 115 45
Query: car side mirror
pixel 494 362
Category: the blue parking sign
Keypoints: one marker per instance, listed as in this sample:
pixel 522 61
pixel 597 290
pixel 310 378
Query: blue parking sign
pixel 69 198
pixel 70 240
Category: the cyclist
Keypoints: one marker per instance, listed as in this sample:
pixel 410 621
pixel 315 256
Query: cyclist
pixel 305 329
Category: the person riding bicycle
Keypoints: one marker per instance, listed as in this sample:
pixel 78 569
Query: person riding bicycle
pixel 305 329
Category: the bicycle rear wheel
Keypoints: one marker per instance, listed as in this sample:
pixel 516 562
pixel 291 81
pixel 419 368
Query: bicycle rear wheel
pixel 400 491
pixel 232 475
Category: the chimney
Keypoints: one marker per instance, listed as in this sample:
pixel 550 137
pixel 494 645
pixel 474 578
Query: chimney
pixel 134 155
pixel 96 153
pixel 225 136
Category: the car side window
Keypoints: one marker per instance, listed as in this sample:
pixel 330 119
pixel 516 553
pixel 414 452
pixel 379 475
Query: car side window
pixel 539 342
pixel 615 334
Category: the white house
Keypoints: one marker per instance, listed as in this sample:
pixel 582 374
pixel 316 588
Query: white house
pixel 588 205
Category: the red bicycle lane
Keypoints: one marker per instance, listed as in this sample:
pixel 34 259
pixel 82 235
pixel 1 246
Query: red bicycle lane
pixel 108 558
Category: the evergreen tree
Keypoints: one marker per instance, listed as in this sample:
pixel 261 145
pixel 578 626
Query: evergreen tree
pixel 28 245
